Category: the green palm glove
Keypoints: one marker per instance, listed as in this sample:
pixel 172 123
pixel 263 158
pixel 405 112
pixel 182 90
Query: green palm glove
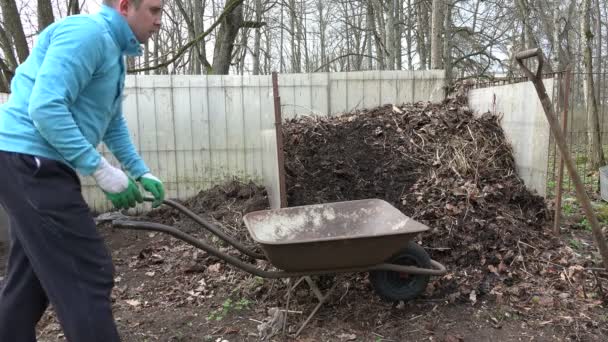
pixel 117 186
pixel 154 186
pixel 127 198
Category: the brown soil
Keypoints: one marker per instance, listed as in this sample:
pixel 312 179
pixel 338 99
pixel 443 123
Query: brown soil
pixel 508 279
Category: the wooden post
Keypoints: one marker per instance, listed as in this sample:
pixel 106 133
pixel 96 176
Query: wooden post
pixel 560 172
pixel 279 132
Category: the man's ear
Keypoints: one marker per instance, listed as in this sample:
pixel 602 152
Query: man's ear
pixel 123 6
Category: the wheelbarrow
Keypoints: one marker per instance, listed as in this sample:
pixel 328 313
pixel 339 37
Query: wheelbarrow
pixel 353 236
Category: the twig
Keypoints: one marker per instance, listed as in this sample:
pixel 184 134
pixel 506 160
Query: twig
pixel 523 243
pixel 345 293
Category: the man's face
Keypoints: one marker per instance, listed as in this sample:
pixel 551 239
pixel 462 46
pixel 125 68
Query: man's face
pixel 143 20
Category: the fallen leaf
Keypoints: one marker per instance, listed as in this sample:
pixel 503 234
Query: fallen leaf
pixel 215 268
pixel 473 297
pixel 347 337
pixel 133 302
pixel 493 269
pixel 452 338
pixel 231 330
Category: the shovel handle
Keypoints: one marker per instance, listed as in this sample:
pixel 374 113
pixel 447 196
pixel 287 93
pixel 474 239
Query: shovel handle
pixel 523 55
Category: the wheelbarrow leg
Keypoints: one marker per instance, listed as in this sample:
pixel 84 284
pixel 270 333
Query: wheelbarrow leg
pixel 320 296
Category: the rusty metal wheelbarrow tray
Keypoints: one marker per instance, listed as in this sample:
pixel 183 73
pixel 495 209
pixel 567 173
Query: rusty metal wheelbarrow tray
pixel 341 237
pixel 336 235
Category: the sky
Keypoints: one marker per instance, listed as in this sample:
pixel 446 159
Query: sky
pixel 91 6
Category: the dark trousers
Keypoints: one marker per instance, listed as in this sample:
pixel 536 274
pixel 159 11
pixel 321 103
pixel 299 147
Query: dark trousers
pixel 56 254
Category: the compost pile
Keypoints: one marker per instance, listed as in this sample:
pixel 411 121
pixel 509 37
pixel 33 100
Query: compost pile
pixel 437 163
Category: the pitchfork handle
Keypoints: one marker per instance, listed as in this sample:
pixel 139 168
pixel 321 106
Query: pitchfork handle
pixel 521 56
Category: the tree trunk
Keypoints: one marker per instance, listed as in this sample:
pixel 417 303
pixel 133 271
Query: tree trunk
pixel 372 27
pixel 258 38
pixel 447 40
pixel 390 37
pixel 370 32
pixel 147 57
pixel 528 41
pixel 437 35
pixel 9 54
pixel 398 9
pixel 14 29
pixel 243 50
pixel 282 40
pixel 322 29
pixel 598 46
pixel 421 36
pixel 295 41
pixel 199 56
pixel 304 37
pixel 224 44
pixel 381 33
pixel 595 151
pixel 157 49
pixel 556 40
pixel 408 38
pixel 45 14
pixel 73 7
pixel 267 60
pixel 348 35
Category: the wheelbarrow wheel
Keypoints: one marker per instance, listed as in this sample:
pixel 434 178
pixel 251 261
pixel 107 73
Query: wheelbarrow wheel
pixel 396 286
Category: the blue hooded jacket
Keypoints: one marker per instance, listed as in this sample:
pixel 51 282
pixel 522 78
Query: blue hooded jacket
pixel 66 98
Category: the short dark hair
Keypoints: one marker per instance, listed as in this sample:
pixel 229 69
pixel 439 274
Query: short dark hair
pixel 135 3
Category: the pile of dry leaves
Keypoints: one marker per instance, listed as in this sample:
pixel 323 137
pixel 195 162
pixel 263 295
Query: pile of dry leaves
pixel 435 162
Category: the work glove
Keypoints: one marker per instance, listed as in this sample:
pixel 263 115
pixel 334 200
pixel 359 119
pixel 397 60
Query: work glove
pixel 154 186
pixel 118 187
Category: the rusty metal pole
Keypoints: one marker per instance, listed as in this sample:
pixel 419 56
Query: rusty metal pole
pixel 279 132
pixel 560 171
pixel 561 143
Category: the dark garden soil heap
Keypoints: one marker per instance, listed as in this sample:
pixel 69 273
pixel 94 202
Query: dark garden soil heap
pixel 435 162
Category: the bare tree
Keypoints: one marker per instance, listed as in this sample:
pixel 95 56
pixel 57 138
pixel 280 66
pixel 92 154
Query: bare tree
pixel 73 7
pixel 14 28
pixel 258 38
pixel 437 34
pixel 45 14
pixel 595 147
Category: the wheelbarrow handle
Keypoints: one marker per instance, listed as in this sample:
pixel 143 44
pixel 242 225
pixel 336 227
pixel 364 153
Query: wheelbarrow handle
pixel 523 55
pixel 210 227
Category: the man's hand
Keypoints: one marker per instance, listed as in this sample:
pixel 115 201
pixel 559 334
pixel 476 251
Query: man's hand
pixel 118 187
pixel 155 187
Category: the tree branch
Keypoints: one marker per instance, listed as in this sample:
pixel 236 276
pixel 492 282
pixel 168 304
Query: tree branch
pixel 227 10
pixel 344 56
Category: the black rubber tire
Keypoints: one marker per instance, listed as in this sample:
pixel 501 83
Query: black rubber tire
pixel 392 286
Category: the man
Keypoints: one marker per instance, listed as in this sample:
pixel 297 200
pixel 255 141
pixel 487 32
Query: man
pixel 65 100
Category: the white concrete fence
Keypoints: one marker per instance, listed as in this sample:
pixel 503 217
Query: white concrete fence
pixel 524 124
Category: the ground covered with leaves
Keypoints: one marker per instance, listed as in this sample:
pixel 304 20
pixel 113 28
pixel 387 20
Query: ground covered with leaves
pixel 508 279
